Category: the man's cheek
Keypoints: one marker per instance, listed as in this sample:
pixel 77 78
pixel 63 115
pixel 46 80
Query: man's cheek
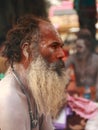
pixel 50 58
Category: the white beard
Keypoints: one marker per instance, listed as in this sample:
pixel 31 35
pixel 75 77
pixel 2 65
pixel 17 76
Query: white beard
pixel 48 87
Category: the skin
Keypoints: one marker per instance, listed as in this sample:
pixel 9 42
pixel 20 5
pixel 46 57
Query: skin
pixel 12 100
pixel 51 49
pixel 85 66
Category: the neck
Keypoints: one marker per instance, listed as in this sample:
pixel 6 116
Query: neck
pixel 21 72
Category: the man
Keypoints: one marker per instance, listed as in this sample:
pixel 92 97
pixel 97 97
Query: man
pixel 85 63
pixel 34 86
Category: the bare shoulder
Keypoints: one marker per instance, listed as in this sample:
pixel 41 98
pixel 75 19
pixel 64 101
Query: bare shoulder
pixel 10 94
pixel 94 61
pixel 95 57
pixel 12 106
pixel 9 98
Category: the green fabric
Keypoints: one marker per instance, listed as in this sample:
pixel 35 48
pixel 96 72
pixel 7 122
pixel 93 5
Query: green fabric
pixel 87 3
pixel 1 76
pixel 76 4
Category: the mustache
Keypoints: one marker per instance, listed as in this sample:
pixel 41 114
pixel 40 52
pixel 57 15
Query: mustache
pixel 57 66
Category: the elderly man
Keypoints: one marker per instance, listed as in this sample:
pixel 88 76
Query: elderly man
pixel 85 64
pixel 34 86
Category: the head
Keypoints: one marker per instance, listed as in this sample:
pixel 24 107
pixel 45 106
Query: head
pixel 83 42
pixel 80 46
pixel 35 44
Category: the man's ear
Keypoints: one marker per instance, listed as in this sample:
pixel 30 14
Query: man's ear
pixel 26 50
pixel 25 54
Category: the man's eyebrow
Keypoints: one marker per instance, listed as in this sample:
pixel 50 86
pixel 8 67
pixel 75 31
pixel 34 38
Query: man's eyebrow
pixel 57 43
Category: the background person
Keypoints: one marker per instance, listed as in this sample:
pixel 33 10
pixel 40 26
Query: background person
pixel 85 64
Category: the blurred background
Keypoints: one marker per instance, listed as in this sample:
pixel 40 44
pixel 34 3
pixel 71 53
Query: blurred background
pixel 65 17
pixel 69 16
pixel 64 14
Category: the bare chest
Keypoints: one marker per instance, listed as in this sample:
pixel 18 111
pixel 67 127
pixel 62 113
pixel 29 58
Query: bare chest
pixel 86 72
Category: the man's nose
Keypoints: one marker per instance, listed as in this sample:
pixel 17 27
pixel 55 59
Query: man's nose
pixel 60 53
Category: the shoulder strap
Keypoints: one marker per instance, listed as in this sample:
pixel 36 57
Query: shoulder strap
pixel 33 116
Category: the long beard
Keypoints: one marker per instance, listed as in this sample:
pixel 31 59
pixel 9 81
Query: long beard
pixel 48 86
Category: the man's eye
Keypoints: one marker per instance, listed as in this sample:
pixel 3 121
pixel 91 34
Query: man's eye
pixel 54 46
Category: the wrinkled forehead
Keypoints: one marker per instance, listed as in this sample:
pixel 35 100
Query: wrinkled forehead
pixel 48 31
